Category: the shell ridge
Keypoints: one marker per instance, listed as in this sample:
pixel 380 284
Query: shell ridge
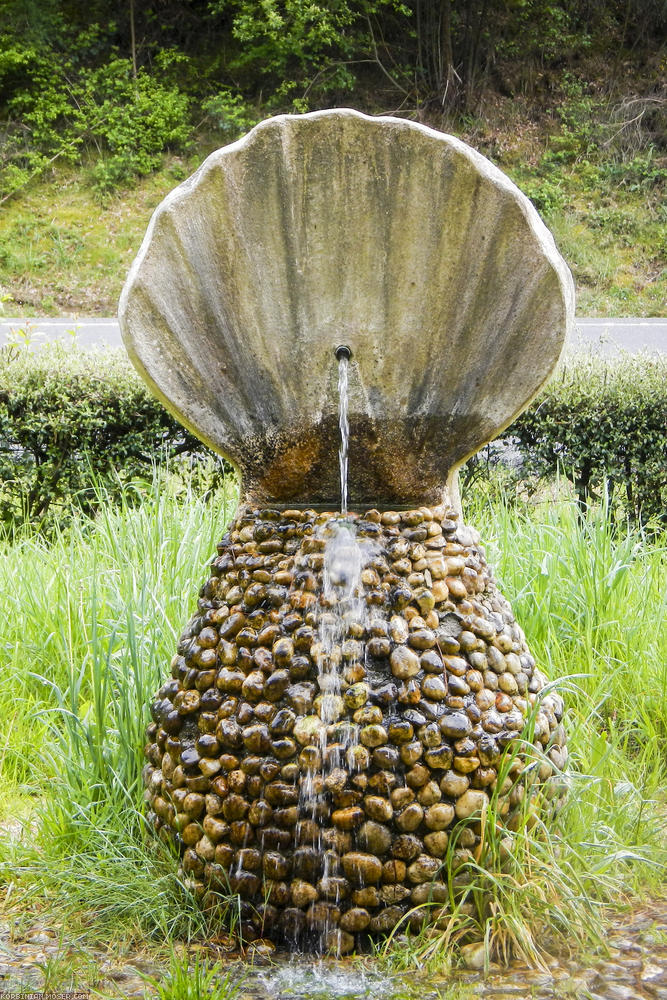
pixel 181 375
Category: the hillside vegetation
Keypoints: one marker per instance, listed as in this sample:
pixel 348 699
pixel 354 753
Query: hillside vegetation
pixel 104 107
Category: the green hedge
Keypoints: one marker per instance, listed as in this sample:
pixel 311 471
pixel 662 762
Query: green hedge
pixel 603 423
pixel 71 420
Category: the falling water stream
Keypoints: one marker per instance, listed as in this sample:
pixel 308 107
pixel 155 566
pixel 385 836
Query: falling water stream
pixel 343 361
pixel 341 633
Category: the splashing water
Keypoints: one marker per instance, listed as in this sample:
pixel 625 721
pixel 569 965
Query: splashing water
pixel 327 980
pixel 343 617
pixel 344 560
pixel 344 425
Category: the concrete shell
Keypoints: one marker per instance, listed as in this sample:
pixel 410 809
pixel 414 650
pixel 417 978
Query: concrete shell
pixel 336 228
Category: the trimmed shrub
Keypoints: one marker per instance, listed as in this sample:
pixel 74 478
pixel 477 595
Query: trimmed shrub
pixel 603 423
pixel 71 421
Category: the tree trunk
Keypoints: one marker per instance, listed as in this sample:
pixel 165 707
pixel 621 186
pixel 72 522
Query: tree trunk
pixel 449 78
pixel 474 26
pixel 133 41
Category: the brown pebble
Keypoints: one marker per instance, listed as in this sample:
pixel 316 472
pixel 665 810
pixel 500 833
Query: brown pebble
pixel 393 871
pixel 373 735
pixel 386 920
pixel 378 808
pixel 347 818
pixel 423 869
pixel 303 893
pixel 410 817
pixel 434 687
pixel 333 888
pixel 439 816
pixel 367 897
pixel 374 837
pixel 362 869
pixel 404 663
pixel 355 919
pixel 436 843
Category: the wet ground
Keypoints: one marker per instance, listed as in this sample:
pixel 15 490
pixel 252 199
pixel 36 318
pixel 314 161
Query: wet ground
pixel 37 957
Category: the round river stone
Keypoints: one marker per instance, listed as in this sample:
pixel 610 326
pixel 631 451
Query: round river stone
pixel 329 761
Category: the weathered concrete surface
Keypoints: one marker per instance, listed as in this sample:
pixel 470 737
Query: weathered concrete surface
pixel 330 228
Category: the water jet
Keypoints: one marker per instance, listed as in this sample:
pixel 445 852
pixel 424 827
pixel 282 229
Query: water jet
pixel 344 702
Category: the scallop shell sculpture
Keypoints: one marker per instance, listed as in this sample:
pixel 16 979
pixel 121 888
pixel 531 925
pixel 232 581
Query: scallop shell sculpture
pixel 334 228
pixel 350 692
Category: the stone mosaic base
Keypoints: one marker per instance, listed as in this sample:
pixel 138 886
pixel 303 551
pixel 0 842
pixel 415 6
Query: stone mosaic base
pixel 327 760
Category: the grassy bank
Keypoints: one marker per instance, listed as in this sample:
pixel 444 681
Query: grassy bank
pixel 89 623
pixel 65 249
pixel 62 252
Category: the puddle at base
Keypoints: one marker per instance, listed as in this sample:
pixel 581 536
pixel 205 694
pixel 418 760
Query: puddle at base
pixel 307 980
pixel 300 978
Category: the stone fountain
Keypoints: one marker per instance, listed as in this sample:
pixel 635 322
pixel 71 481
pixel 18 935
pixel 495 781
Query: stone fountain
pixel 353 694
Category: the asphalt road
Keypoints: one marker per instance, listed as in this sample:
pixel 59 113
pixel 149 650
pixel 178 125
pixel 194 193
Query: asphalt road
pixel 612 335
pixel 606 336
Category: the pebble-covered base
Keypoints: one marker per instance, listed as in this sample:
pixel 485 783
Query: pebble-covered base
pixel 333 830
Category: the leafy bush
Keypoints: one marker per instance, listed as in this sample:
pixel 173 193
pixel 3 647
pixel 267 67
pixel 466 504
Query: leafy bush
pixel 298 52
pixel 546 195
pixel 133 120
pixel 68 420
pixel 604 424
pixel 227 114
pixel 60 110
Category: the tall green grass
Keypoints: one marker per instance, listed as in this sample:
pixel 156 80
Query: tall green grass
pixel 592 599
pixel 89 622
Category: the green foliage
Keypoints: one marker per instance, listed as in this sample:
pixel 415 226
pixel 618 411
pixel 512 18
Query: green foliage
pixel 539 30
pixel 606 149
pixel 132 121
pixel 286 44
pixel 197 979
pixel 583 125
pixel 228 114
pixel 644 173
pixel 604 424
pixel 62 101
pixel 71 420
pixel 546 194
pixel 68 420
pixel 132 81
